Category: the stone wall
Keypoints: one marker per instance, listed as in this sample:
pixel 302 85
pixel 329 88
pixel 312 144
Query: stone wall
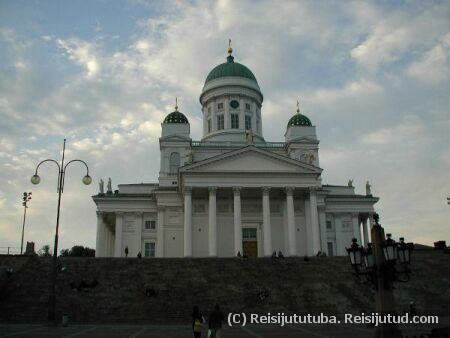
pixel 288 285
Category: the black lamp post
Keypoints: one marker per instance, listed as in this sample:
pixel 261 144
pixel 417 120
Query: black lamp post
pixel 26 198
pixel 379 267
pixel 35 179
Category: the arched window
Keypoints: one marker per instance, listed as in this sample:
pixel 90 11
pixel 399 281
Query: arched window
pixel 174 162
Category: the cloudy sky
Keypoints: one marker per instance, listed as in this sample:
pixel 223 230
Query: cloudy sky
pixel 374 77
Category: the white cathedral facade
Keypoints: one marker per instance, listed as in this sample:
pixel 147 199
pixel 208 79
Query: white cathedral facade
pixel 233 192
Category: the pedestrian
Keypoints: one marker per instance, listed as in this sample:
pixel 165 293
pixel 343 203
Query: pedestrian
pixel 215 320
pixel 412 308
pixel 197 322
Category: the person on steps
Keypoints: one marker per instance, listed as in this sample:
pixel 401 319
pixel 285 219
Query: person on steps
pixel 197 322
pixel 215 320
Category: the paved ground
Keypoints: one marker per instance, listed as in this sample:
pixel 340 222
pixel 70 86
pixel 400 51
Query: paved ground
pixel 183 331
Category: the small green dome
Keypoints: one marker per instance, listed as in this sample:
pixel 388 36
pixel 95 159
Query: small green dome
pixel 230 68
pixel 299 120
pixel 176 117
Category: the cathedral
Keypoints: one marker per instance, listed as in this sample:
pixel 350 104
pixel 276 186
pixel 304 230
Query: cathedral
pixel 232 192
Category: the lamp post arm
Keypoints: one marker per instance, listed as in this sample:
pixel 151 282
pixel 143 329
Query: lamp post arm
pixel 64 171
pixel 87 168
pixel 47 160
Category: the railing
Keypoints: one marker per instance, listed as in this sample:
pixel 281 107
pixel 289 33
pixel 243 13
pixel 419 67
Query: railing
pixel 234 144
pixel 9 250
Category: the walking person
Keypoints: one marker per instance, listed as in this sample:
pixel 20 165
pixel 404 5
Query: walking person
pixel 197 322
pixel 215 320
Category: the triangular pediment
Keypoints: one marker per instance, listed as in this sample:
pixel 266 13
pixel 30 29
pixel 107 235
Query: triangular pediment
pixel 174 138
pixel 251 160
pixel 303 139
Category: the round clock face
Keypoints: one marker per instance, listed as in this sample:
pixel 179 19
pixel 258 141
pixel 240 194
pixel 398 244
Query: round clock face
pixel 234 104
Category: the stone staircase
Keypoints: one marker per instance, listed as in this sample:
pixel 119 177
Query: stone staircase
pixel 289 285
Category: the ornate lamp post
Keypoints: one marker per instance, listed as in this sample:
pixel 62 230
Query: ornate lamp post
pixel 378 265
pixel 35 179
pixel 26 198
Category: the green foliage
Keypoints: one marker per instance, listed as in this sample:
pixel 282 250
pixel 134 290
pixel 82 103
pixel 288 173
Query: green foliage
pixel 45 251
pixel 78 251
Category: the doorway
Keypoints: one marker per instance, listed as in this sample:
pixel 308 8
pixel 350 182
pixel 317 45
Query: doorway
pixel 250 242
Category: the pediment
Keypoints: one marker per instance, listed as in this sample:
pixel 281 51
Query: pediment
pixel 251 160
pixel 304 139
pixel 174 138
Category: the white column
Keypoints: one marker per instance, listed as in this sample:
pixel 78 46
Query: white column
pixel 237 221
pixel 107 241
pixel 118 242
pixel 227 117
pixel 111 244
pixel 241 113
pixel 314 234
pixel 356 228
pixel 212 231
pixel 291 222
pixel 99 251
pixel 267 229
pixel 160 233
pixel 323 231
pixel 365 231
pixel 338 228
pixel 187 222
pixel 138 238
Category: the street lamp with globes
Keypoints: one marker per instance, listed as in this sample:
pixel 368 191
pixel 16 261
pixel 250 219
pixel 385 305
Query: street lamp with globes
pixel 35 179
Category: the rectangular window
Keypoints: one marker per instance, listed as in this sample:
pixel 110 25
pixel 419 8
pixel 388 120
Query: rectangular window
pixel 209 125
pixel 235 121
pixel 220 122
pixel 248 122
pixel 150 225
pixel 149 249
pixel 247 106
pixel 209 110
pixel 330 248
pixel 329 226
pixel 249 234
pixel 220 106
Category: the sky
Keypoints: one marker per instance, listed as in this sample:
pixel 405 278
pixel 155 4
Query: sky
pixel 373 77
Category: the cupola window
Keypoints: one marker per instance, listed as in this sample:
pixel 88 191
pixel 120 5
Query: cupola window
pixel 220 122
pixel 247 106
pixel 248 122
pixel 234 121
pixel 220 105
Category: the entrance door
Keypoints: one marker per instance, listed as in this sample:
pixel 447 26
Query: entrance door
pixel 250 242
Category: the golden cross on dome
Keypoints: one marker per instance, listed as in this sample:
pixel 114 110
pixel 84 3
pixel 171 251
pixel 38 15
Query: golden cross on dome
pixel 230 50
pixel 176 103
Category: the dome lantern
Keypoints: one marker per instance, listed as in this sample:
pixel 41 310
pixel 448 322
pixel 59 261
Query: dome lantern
pixel 299 120
pixel 176 116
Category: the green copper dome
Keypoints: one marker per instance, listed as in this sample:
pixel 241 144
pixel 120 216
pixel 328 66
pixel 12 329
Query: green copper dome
pixel 299 120
pixel 176 117
pixel 230 68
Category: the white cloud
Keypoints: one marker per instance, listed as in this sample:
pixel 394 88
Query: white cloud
pixel 82 52
pixel 111 104
pixel 434 67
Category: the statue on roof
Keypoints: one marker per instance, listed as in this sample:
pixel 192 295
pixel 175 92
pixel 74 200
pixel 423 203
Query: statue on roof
pixel 368 192
pixel 350 182
pixel 109 188
pixel 101 186
pixel 190 157
pixel 249 137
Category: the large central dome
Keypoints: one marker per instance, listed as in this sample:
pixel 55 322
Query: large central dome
pixel 230 68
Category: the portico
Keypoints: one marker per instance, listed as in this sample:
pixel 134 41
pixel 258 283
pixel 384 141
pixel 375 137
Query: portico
pixel 255 209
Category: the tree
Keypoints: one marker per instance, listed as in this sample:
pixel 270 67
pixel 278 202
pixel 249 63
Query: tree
pixel 44 251
pixel 78 251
